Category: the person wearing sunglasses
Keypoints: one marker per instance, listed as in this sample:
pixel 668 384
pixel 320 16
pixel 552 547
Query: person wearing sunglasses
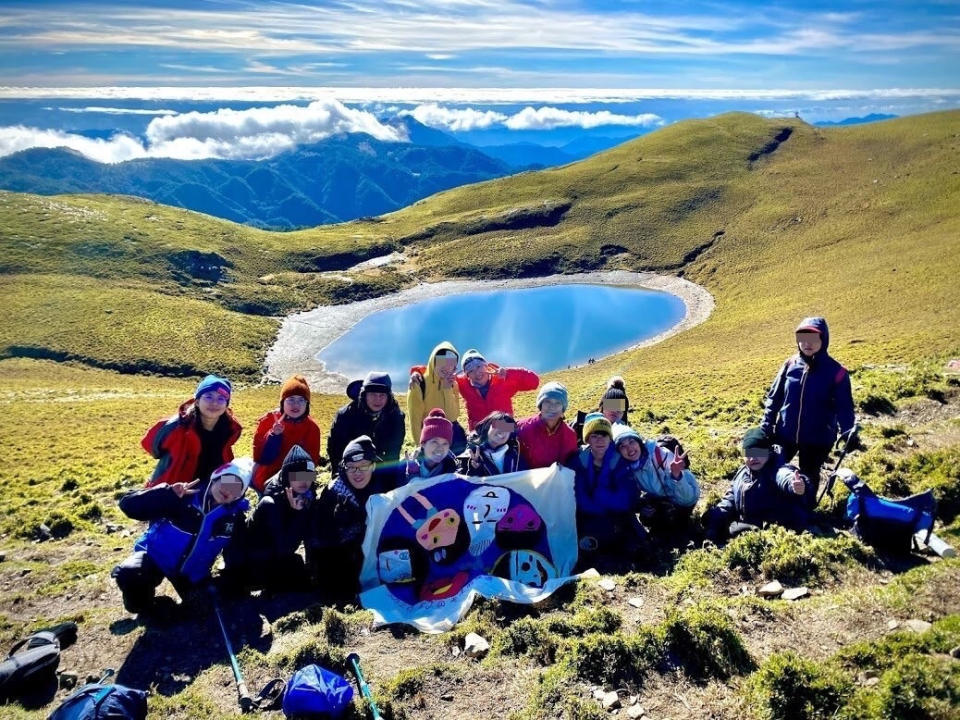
pixel 809 400
pixel 341 518
pixel 764 491
pixel 266 557
pixel 190 525
pixel 197 439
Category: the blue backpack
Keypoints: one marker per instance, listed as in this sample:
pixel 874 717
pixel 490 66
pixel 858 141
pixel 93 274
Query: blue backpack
pixel 103 702
pixel 314 692
pixel 887 524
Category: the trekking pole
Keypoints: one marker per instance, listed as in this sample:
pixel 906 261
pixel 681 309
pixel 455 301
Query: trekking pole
pixel 832 477
pixel 354 661
pixel 246 702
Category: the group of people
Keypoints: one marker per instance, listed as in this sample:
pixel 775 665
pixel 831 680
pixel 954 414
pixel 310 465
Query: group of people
pixel 626 487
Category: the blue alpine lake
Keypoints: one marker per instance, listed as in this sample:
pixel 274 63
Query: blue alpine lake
pixel 541 328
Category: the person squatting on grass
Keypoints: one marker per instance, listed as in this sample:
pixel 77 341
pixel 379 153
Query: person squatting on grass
pixel 280 430
pixel 341 518
pixel 199 438
pixel 809 399
pixel 486 387
pixel 545 438
pixel 372 411
pixel 264 555
pixel 609 534
pixel 433 457
pixel 763 491
pixel 492 449
pixel 434 385
pixel 668 490
pixel 190 525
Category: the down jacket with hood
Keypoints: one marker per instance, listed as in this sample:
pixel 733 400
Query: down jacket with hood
pixel 764 496
pixel 177 445
pixel 387 429
pixel 431 394
pixel 269 450
pixel 810 398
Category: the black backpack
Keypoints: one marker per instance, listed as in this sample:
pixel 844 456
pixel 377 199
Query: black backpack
pixel 32 663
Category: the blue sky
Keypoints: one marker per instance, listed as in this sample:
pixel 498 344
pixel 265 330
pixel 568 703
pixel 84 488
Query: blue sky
pixel 466 44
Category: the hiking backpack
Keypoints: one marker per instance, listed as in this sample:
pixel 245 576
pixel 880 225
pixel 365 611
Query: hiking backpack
pixel 887 524
pixel 315 692
pixel 98 701
pixel 33 661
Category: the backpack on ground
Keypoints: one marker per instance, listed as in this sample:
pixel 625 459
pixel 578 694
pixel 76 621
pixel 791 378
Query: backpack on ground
pixel 315 692
pixel 33 662
pixel 99 701
pixel 887 524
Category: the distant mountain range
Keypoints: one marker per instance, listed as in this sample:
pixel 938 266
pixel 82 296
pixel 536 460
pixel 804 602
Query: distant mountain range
pixel 872 117
pixel 338 179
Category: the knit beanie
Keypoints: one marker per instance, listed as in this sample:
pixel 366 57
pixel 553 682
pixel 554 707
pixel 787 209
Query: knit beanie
pixel 296 460
pixel 241 467
pixel 616 390
pixel 596 423
pixel 359 450
pixel 215 383
pixel 295 385
pixel 472 357
pixel 553 391
pixel 436 425
pixel 377 381
pixel 756 439
pixel 623 432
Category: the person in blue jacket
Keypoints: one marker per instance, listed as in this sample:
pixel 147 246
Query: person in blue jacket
pixel 808 401
pixel 190 525
pixel 609 535
pixel 764 490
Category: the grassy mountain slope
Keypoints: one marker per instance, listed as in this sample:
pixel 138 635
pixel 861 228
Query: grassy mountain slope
pixel 859 224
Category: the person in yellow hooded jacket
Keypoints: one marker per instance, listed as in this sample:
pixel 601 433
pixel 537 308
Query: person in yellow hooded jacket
pixel 434 385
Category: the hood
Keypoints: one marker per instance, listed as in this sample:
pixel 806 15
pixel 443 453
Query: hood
pixel 820 325
pixel 429 374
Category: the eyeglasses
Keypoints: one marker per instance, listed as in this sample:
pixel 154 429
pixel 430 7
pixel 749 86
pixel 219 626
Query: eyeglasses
pixel 296 400
pixel 359 468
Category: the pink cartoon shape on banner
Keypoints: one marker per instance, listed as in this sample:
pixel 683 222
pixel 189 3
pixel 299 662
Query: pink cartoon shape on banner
pixel 437 530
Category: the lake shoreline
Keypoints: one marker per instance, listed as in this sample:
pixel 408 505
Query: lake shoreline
pixel 303 335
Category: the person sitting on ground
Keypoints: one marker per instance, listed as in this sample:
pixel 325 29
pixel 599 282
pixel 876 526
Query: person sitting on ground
pixel 614 405
pixel 372 411
pixel 196 440
pixel 433 457
pixel 190 525
pixel 342 517
pixel 279 430
pixel 434 385
pixel 608 532
pixel 544 438
pixel 668 490
pixel 492 449
pixel 265 556
pixel 809 399
pixel 764 490
pixel 486 387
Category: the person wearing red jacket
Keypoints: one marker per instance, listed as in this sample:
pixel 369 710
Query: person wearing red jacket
pixel 278 431
pixel 198 439
pixel 486 387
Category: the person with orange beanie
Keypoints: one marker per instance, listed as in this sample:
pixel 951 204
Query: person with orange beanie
pixel 281 429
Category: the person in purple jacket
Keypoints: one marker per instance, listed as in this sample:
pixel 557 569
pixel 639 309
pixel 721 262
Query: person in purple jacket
pixel 808 401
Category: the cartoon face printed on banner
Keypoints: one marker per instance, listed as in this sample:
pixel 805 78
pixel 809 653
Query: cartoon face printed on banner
pixel 521 518
pixel 526 567
pixel 395 566
pixel 482 510
pixel 438 529
pixel 443 588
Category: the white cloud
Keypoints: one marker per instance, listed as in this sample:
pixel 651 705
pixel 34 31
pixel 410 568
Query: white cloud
pixel 455 119
pixel 116 111
pixel 490 96
pixel 238 134
pixel 547 118
pixel 15 138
